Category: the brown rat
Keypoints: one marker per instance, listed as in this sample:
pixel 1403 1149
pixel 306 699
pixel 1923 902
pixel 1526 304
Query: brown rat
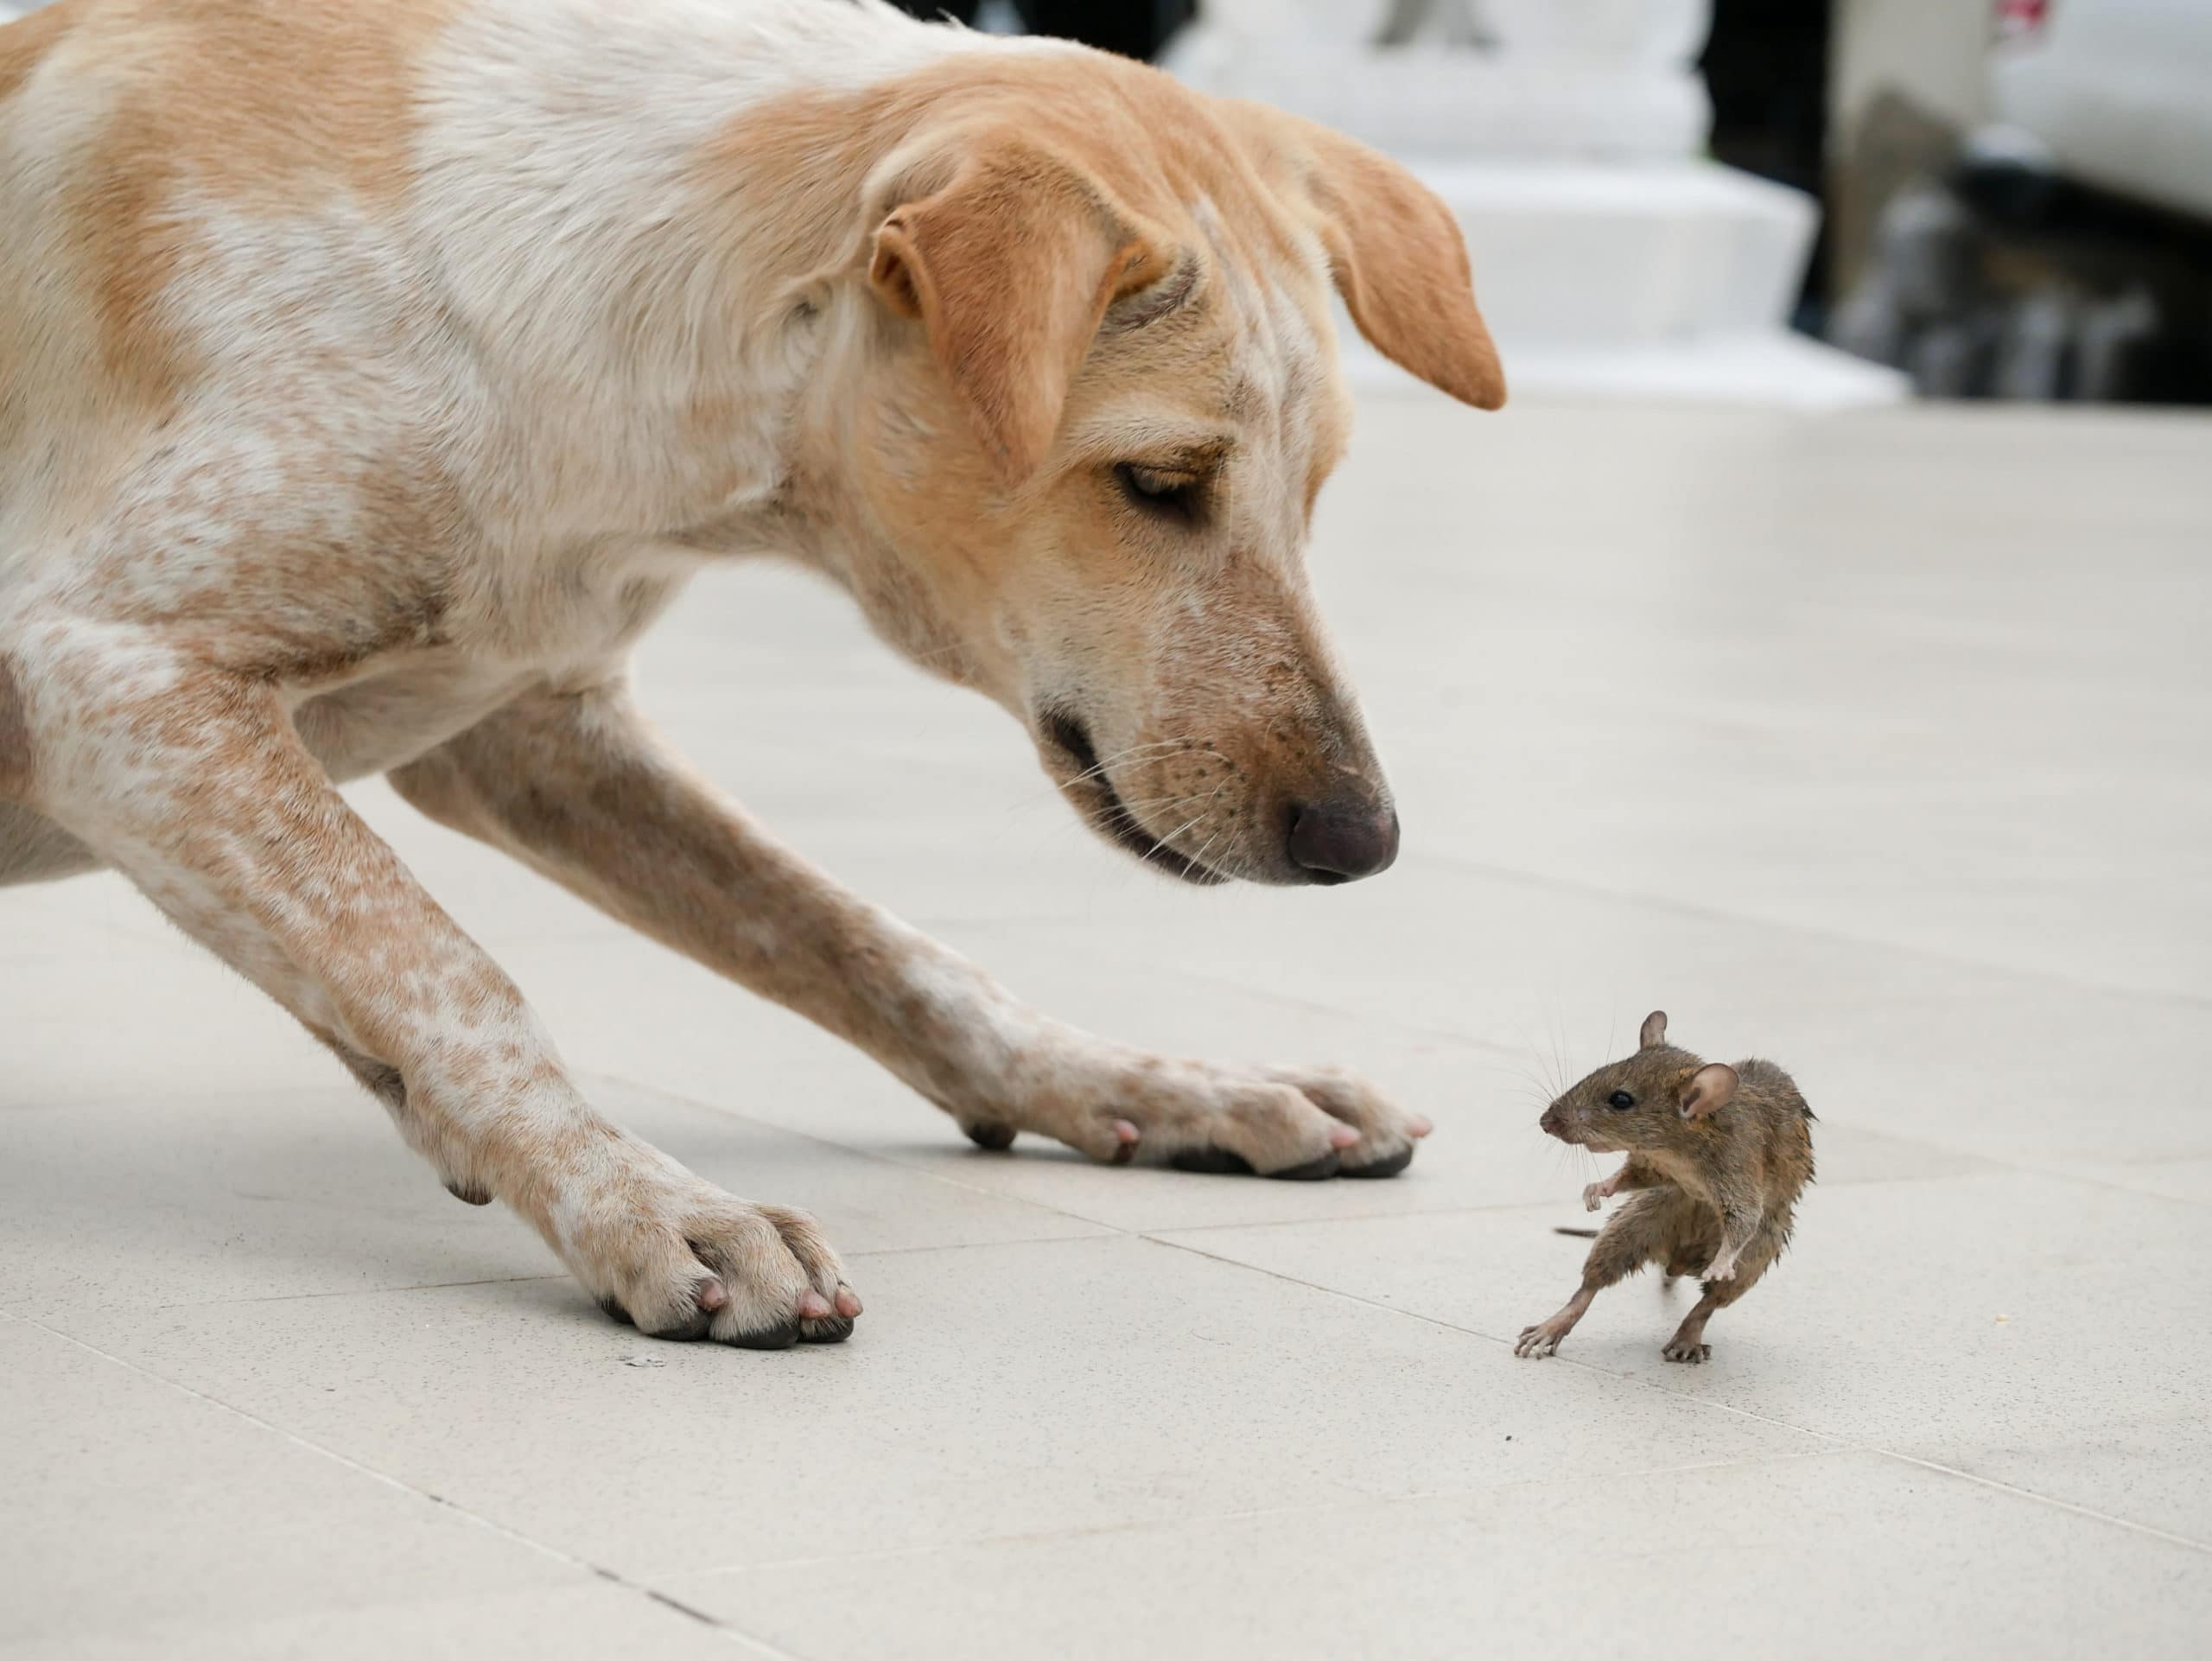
pixel 1717 1157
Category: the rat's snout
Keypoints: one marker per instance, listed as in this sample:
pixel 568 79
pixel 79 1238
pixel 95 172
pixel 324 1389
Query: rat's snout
pixel 1554 1123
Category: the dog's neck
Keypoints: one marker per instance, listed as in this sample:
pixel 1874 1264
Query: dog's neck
pixel 659 287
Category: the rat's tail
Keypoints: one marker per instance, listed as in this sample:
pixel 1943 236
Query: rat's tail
pixel 1579 1233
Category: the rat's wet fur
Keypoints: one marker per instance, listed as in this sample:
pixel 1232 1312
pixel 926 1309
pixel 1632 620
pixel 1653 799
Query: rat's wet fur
pixel 1717 1158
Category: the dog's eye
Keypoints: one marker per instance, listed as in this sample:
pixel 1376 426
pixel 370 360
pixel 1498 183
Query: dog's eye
pixel 1174 496
pixel 1620 1101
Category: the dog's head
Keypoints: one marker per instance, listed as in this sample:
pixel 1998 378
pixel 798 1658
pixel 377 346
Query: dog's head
pixel 1100 396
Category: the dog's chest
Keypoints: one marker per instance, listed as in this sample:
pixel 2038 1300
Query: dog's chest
pixel 571 627
pixel 402 710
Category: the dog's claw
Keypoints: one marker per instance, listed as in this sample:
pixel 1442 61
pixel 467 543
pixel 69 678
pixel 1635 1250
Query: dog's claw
pixel 780 1337
pixel 1390 1165
pixel 1211 1162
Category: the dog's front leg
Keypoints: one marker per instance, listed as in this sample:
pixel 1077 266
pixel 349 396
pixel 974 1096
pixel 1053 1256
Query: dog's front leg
pixel 196 786
pixel 580 788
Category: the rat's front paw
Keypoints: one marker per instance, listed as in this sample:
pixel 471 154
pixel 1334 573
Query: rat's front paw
pixel 1538 1341
pixel 1594 1195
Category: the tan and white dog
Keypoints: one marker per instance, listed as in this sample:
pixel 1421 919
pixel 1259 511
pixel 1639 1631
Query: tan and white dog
pixel 372 373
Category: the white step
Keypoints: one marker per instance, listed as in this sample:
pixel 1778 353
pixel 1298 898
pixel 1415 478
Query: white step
pixel 1647 280
pixel 1771 368
pixel 1483 104
pixel 1583 252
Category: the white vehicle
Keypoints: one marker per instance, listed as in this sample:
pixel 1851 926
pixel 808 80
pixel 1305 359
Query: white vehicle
pixel 2119 91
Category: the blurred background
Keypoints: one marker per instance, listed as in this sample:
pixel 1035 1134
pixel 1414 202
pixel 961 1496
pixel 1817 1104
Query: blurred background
pixel 1805 203
pixel 1814 203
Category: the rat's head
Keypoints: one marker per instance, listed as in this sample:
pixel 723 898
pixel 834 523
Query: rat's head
pixel 1644 1101
pixel 1100 396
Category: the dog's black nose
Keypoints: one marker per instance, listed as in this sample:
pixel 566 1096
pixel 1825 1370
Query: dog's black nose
pixel 1339 841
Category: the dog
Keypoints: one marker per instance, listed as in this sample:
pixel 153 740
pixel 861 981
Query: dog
pixel 374 372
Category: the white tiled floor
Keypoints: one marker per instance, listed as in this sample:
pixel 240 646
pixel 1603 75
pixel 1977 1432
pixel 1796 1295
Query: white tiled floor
pixel 1879 743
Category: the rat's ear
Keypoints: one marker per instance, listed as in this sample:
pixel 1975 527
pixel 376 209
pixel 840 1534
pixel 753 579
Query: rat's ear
pixel 1009 264
pixel 1708 1090
pixel 1655 1031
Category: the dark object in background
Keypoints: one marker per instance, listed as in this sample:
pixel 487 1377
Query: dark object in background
pixel 1766 66
pixel 1990 275
pixel 1135 28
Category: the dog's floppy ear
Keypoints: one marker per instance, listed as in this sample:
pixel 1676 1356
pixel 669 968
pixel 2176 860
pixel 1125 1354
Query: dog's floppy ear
pixel 1395 251
pixel 1010 263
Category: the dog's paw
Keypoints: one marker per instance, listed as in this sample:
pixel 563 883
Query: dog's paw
pixel 1295 1122
pixel 678 1258
pixel 1676 1350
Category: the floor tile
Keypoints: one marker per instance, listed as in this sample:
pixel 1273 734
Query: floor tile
pixel 2155 1471
pixel 130 1501
pixel 592 1621
pixel 1922 1314
pixel 1878 1557
pixel 989 1391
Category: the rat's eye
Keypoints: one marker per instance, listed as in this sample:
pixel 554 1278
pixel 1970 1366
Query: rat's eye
pixel 1620 1101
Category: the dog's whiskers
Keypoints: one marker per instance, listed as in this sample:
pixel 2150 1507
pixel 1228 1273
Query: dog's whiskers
pixel 1098 767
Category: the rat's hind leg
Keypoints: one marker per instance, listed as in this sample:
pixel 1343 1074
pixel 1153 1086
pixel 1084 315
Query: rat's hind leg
pixel 1636 1235
pixel 1688 1342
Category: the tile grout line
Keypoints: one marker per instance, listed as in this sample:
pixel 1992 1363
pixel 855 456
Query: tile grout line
pixel 2204 1547
pixel 821 1141
pixel 2059 1173
pixel 1842 1443
pixel 1845 1442
pixel 348 1292
pixel 349 1463
pixel 563 1277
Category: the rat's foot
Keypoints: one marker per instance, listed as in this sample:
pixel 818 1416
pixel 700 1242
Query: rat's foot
pixel 1595 1194
pixel 1723 1269
pixel 1543 1340
pixel 1283 1122
pixel 1681 1349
